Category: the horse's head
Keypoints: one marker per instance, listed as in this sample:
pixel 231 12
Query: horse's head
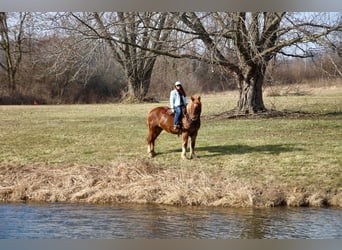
pixel 194 108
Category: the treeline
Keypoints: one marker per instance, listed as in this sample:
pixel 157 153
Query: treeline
pixel 79 58
pixel 201 77
pixel 106 83
pixel 39 79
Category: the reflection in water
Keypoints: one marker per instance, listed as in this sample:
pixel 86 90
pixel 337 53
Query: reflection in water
pixel 58 220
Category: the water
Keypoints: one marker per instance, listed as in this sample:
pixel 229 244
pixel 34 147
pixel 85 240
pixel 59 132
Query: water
pixel 75 221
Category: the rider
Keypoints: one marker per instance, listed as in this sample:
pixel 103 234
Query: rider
pixel 177 101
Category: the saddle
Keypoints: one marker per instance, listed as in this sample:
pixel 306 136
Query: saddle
pixel 168 111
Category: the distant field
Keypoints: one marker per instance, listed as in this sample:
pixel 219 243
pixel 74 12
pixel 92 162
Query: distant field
pixel 293 160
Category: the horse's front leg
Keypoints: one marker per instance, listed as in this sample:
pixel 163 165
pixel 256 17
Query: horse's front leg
pixel 192 146
pixel 150 149
pixel 184 144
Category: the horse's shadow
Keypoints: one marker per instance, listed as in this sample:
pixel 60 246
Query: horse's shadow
pixel 219 150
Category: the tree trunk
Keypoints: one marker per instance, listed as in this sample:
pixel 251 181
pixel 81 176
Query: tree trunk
pixel 12 50
pixel 12 83
pixel 138 86
pixel 250 90
pixel 137 89
pixel 139 81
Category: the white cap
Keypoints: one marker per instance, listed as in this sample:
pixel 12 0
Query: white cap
pixel 178 83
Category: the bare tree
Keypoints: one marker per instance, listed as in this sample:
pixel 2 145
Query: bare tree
pixel 132 37
pixel 11 44
pixel 244 43
pixel 71 62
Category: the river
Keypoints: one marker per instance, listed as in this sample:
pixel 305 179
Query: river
pixel 83 221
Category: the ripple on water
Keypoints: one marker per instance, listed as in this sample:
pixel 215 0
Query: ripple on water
pixel 77 221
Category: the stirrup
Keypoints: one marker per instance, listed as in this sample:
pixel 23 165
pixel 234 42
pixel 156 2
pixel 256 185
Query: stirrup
pixel 177 126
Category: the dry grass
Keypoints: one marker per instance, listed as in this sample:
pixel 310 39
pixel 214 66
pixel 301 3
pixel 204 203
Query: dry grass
pixel 142 182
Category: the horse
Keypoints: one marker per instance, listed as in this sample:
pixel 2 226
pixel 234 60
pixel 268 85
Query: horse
pixel 159 119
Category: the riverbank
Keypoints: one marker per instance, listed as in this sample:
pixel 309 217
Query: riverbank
pixel 97 154
pixel 142 182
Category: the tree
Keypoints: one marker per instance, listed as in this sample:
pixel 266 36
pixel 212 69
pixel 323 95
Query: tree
pixel 132 37
pixel 11 44
pixel 244 43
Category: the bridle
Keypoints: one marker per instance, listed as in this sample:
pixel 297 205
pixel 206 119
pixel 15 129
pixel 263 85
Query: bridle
pixel 193 112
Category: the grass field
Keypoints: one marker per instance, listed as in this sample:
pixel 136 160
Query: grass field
pixel 294 160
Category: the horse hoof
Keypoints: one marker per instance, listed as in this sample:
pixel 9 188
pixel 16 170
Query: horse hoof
pixel 193 156
pixel 152 154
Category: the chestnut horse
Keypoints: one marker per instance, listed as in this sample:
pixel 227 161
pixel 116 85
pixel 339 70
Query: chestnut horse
pixel 159 119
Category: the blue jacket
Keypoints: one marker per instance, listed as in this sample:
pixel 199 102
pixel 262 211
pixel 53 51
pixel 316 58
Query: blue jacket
pixel 175 99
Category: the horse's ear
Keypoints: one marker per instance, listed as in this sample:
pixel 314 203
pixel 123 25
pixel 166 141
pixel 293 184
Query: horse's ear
pixel 199 98
pixel 192 98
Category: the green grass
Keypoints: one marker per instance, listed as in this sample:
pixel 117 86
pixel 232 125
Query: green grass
pixel 297 151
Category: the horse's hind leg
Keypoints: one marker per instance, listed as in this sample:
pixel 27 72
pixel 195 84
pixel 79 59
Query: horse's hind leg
pixel 150 144
pixel 153 133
